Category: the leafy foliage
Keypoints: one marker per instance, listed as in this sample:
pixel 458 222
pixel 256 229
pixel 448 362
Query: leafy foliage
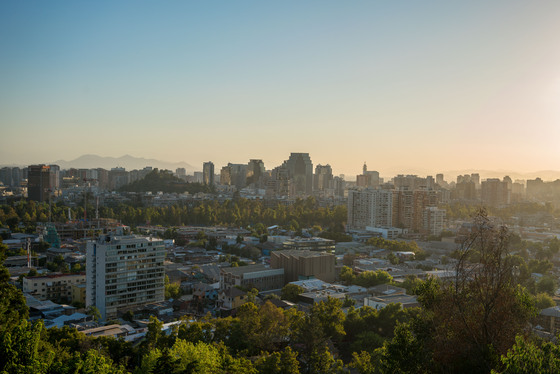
pixel 164 181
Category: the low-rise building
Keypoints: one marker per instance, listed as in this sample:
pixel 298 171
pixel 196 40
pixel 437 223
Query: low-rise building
pixel 252 276
pixel 54 287
pixel 390 233
pixel 116 331
pixel 380 302
pixel 310 244
pixel 300 265
pixel 386 290
pixel 549 319
pixel 232 298
pixel 79 293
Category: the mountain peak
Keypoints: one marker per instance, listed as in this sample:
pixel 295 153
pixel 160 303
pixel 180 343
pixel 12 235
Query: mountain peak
pixel 91 161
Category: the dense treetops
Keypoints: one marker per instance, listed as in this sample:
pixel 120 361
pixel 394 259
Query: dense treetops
pixel 398 245
pixel 238 213
pixel 164 181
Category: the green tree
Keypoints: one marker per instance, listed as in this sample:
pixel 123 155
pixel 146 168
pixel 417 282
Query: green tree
pixel 546 284
pixel 154 336
pixel 20 349
pixel 330 317
pixel 291 292
pixel 94 312
pixel 322 361
pixel 347 275
pixel 164 364
pixel 543 301
pixel 477 315
pixel 92 362
pixel 283 362
pixel 364 363
pixel 172 290
pixel 128 316
pixel 13 307
pixel 526 357
pixel 405 353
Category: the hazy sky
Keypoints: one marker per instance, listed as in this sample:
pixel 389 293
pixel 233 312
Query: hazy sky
pixel 405 85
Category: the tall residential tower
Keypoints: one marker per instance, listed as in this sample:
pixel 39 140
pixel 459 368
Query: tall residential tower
pixel 123 272
pixel 208 173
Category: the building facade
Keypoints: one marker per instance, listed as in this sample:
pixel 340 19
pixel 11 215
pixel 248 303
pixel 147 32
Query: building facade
pixel 434 220
pixel 496 193
pixel 300 265
pixel 123 272
pixel 252 276
pixel 311 244
pixel 54 287
pixel 300 170
pixel 208 173
pixel 323 179
pixel 370 208
pixel 39 182
pixel 255 172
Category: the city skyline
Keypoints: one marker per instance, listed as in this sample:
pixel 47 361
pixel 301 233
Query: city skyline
pixel 129 163
pixel 408 87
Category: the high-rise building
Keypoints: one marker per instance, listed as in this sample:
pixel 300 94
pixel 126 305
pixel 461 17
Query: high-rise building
pixel 408 207
pixel 434 220
pixel 181 173
pixel 255 172
pixel 39 182
pixel 535 188
pixel 118 177
pixel 102 178
pixel 323 178
pixel 430 182
pixel 300 170
pixel 339 186
pixel 389 208
pixel 495 192
pixel 279 184
pixel 225 176
pixel 6 176
pixel 517 191
pixel 475 177
pixel 368 178
pixel 208 173
pixel 17 177
pixel 55 177
pixel 198 177
pixel 465 190
pixel 124 272
pixel 370 208
pixel 409 182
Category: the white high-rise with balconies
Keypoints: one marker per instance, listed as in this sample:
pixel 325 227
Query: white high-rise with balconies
pixel 123 272
pixel 370 208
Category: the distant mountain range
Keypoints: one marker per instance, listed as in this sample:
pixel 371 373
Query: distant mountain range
pixel 128 162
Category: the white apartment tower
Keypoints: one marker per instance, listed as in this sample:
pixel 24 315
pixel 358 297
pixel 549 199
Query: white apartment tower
pixel 433 220
pixel 370 208
pixel 124 271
